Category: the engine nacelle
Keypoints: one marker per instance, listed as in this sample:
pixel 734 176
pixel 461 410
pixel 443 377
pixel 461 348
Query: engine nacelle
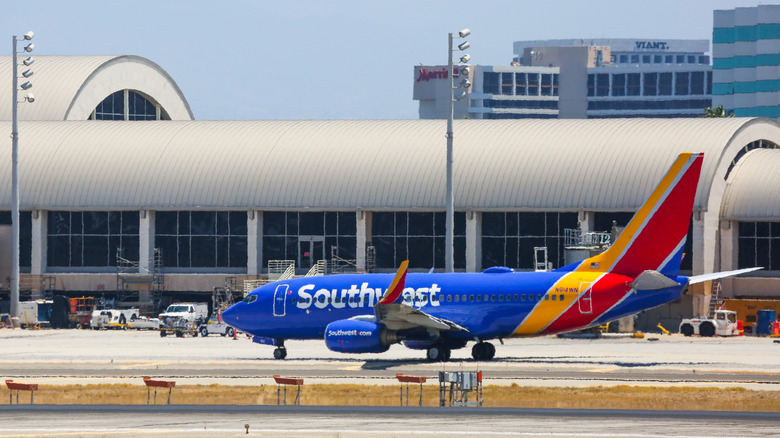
pixel 358 336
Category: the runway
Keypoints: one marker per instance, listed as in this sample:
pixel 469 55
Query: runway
pixel 85 356
pixel 319 421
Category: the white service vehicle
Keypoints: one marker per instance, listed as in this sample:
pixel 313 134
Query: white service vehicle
pixel 191 313
pixel 214 327
pixel 144 323
pixel 113 318
pixel 723 323
pixel 27 314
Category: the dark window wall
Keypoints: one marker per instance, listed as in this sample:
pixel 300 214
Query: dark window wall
pixel 283 230
pixel 91 238
pixel 417 237
pixel 202 239
pixel 508 239
pixel 25 235
pixel 759 245
pixel 139 107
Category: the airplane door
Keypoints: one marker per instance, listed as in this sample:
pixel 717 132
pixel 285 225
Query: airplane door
pixel 280 298
pixel 585 301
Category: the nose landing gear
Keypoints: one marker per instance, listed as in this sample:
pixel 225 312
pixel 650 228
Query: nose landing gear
pixel 483 351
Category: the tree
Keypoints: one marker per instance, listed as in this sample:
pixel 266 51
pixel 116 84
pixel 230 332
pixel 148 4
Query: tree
pixel 718 111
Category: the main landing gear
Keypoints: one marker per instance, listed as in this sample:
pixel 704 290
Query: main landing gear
pixel 438 353
pixel 483 351
pixel 280 352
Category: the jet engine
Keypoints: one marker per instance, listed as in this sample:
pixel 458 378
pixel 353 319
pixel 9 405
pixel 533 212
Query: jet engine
pixel 358 336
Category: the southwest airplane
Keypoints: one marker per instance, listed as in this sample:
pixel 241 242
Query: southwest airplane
pixel 366 313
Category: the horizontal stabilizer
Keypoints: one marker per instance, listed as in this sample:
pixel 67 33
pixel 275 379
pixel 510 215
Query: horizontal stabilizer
pixel 716 275
pixel 652 280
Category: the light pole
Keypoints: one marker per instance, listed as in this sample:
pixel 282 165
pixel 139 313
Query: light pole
pixel 449 239
pixel 15 161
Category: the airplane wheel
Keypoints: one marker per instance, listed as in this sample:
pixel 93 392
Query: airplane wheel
pixel 686 330
pixel 483 351
pixel 280 353
pixel 437 353
pixel 230 332
pixel 707 329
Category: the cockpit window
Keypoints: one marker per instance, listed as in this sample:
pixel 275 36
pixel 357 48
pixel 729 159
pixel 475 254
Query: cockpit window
pixel 250 299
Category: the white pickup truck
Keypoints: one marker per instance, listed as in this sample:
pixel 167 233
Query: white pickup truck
pixel 185 313
pixel 723 323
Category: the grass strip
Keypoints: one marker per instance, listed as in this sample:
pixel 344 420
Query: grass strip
pixel 596 397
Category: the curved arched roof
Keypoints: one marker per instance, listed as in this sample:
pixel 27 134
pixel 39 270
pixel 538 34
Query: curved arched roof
pixel 70 87
pixel 566 165
pixel 753 189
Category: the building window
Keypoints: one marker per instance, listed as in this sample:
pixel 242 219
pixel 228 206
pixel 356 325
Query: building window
pixel 490 83
pixel 658 59
pixel 697 82
pixel 704 59
pixel 633 85
pixel 691 59
pixel 681 80
pixel 520 84
pixel 646 59
pixel 202 239
pixel 91 238
pixel 533 84
pixel 417 237
pixel 680 59
pixel 635 59
pixel 709 82
pixel 521 103
pixel 25 235
pixel 619 84
pixel 602 84
pixel 591 85
pixel 623 59
pixel 665 84
pixel 508 239
pixel 547 85
pixel 307 237
pixel 759 245
pixel 139 108
pixel 506 83
pixel 669 59
pixel 650 84
pixel 555 84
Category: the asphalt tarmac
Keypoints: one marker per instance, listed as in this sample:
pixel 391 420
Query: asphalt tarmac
pixel 51 357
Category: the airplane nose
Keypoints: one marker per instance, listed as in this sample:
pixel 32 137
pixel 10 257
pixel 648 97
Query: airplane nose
pixel 230 316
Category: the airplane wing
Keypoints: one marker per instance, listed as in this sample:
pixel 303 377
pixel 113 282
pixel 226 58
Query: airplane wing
pixel 716 275
pixel 395 315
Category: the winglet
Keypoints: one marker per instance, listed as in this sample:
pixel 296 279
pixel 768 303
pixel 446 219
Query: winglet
pixel 397 286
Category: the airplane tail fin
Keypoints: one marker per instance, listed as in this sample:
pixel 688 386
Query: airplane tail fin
pixel 397 286
pixel 655 237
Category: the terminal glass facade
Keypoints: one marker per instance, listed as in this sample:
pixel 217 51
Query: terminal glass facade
pixel 418 237
pixel 759 245
pixel 307 237
pixel 91 238
pixel 138 107
pixel 509 238
pixel 202 239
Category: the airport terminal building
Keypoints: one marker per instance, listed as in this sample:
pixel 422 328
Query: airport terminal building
pixel 176 207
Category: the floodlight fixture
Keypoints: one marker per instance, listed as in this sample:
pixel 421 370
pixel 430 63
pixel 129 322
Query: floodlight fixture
pixel 463 34
pixel 29 48
pixel 462 46
pixel 29 97
pixel 28 61
pixel 28 73
pixel 27 85
pixel 29 35
pixel 461 96
pixel 465 58
pixel 465 71
pixel 465 83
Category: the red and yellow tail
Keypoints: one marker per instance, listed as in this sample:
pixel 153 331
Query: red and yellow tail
pixel 655 237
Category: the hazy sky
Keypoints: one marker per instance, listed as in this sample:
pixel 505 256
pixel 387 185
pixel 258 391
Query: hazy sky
pixel 320 59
